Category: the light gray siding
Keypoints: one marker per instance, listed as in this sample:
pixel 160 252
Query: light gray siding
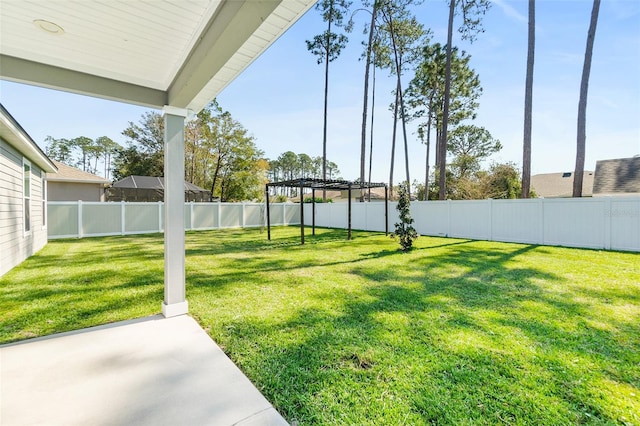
pixel 74 191
pixel 15 244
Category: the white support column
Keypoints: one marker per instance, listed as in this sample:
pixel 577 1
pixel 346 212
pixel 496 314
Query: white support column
pixel 175 302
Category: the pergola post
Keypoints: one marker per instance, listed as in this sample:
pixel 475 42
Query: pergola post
pixel 175 302
pixel 268 214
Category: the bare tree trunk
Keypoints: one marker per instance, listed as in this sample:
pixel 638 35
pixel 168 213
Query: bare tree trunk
pixel 442 149
pixel 215 178
pixel 373 105
pixel 426 175
pixel 404 134
pixel 582 104
pixel 326 100
pixel 528 104
pixel 363 145
pixel 393 143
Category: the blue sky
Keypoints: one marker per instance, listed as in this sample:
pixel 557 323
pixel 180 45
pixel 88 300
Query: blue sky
pixel 279 98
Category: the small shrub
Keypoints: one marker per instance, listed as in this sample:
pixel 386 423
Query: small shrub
pixel 404 230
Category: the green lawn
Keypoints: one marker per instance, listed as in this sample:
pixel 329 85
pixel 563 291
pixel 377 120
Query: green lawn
pixel 356 332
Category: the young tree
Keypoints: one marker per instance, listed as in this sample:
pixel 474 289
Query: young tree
pixel 528 102
pixel 471 11
pixel 582 104
pixel 404 229
pixel 327 47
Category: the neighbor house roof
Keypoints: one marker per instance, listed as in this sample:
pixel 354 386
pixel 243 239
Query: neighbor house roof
pixel 559 185
pixel 17 137
pixel 71 174
pixel 618 176
pixel 152 182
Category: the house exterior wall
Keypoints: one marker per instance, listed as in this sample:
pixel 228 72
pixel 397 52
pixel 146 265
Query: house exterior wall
pixel 74 191
pixel 15 244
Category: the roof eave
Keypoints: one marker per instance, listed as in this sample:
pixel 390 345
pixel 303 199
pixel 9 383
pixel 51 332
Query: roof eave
pixel 16 136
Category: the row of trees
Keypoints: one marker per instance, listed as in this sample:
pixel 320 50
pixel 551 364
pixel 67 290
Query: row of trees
pixel 443 94
pixel 220 155
pixel 290 165
pixel 89 155
pixel 397 42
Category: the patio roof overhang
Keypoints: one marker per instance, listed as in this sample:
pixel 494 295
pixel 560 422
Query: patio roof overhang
pixel 173 55
pixel 178 53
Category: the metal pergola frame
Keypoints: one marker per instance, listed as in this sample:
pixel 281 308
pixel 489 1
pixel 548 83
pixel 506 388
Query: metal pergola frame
pixel 326 185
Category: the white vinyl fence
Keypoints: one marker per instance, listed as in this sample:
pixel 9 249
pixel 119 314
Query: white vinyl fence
pixel 95 219
pixel 600 223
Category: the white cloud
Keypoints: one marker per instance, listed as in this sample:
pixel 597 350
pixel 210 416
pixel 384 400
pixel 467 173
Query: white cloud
pixel 510 11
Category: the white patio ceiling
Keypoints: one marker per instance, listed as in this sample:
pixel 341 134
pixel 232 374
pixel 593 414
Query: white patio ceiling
pixel 151 53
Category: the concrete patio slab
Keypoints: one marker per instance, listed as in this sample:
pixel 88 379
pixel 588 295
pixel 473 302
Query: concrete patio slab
pixel 152 371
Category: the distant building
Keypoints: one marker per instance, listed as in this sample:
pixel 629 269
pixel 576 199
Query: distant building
pixel 617 177
pixel 23 195
pixel 71 184
pixel 151 189
pixel 560 185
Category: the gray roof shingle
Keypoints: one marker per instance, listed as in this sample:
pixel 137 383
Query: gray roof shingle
pixel 618 176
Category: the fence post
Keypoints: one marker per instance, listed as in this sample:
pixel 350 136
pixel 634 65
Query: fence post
pixel 79 218
pixel 123 218
pixel 284 214
pixel 191 216
pixel 490 200
pixel 159 216
pixel 242 222
pixel 219 212
pixel 448 219
pixel 541 213
pixel 608 218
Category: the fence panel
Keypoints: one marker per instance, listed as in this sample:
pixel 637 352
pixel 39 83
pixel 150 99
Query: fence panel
pixel 470 219
pixel 141 218
pixel 254 215
pixel 359 216
pixel 375 216
pixel 276 213
pixel 62 220
pixel 624 216
pixel 431 217
pixel 567 223
pixel 204 215
pixel 98 219
pixel 519 222
pixel 230 215
pixel 291 214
